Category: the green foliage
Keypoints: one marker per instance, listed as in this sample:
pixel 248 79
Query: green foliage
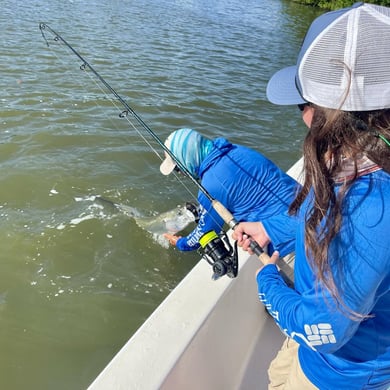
pixel 335 4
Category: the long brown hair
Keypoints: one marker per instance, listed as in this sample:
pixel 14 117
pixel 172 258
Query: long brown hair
pixel 333 135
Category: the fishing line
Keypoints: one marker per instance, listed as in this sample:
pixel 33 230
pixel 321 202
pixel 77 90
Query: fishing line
pixel 219 207
pixel 129 112
pixel 123 114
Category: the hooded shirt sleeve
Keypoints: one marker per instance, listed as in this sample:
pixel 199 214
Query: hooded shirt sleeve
pixel 359 258
pixel 208 220
pixel 312 316
pixel 281 229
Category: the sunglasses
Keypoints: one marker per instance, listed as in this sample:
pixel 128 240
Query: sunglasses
pixel 302 106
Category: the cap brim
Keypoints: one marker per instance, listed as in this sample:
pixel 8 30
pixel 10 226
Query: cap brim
pixel 167 166
pixel 281 88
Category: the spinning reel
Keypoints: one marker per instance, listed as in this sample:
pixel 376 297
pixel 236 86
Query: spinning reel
pixel 219 253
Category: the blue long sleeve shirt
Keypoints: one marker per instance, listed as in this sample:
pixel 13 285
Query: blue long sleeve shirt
pixel 249 185
pixel 337 352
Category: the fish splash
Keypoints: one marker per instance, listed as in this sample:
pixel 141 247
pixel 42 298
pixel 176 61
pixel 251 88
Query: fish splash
pixel 171 221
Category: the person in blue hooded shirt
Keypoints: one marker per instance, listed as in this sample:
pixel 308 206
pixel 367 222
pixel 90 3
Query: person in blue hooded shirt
pixel 248 184
pixel 337 320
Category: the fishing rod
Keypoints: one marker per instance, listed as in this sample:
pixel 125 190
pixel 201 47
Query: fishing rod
pixel 212 244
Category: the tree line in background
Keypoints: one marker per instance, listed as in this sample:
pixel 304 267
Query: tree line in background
pixel 335 4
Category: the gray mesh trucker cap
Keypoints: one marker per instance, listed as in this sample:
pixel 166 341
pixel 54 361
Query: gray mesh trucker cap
pixel 344 62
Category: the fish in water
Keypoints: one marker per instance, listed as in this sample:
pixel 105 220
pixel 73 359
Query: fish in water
pixel 171 221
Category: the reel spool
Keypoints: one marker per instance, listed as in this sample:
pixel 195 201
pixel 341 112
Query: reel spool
pixel 219 253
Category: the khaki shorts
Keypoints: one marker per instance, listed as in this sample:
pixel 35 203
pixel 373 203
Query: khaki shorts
pixel 285 372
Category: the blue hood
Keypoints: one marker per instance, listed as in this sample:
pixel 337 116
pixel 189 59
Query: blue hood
pixel 191 149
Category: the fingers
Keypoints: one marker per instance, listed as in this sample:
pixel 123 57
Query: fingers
pixel 242 233
pixel 242 240
pixel 245 232
pixel 239 233
pixel 246 243
pixel 171 238
pixel 272 260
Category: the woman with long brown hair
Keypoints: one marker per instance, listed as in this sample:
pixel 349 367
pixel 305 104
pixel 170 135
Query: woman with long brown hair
pixel 337 317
